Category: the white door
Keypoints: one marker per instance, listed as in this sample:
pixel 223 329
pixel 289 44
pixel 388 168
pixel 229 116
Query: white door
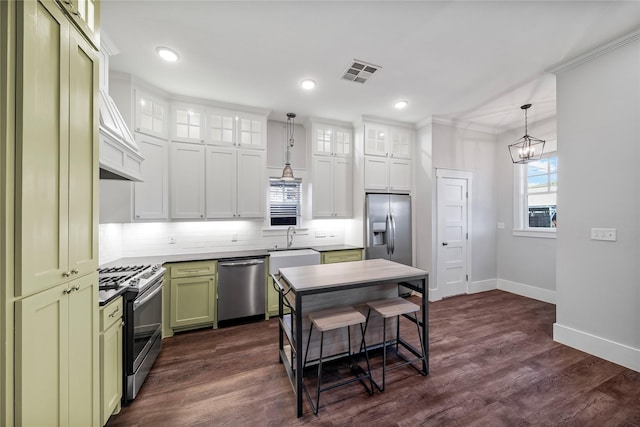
pixel 342 188
pixel 221 182
pixel 452 238
pixel 322 187
pixel 151 197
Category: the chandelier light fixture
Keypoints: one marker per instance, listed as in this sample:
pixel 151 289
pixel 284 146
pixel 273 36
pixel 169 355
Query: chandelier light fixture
pixel 287 172
pixel 527 148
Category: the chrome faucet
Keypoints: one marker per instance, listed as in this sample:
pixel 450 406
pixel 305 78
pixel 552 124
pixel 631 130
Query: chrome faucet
pixel 290 236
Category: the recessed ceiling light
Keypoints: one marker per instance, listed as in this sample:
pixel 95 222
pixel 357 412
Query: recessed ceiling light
pixel 308 84
pixel 167 54
pixel 401 104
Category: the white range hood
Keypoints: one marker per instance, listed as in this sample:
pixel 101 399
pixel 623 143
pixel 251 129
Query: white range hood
pixel 120 157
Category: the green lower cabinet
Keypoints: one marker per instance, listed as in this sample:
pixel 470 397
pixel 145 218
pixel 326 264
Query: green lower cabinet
pixel 341 256
pixel 272 298
pixel 56 356
pixel 110 359
pixel 193 301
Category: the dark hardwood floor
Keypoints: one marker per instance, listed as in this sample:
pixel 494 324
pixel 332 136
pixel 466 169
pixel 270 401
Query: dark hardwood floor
pixel 492 358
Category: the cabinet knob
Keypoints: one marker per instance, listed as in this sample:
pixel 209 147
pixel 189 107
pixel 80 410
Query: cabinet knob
pixel 67 291
pixel 66 274
pixel 201 216
pixel 75 271
pixel 137 216
pixel 114 312
pixel 76 288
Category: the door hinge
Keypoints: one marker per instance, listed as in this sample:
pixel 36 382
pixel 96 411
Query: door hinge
pixel 467 236
pixel 466 194
pixel 467 277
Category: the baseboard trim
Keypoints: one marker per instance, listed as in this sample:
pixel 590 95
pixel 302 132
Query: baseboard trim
pixel 540 294
pixel 620 354
pixel 482 286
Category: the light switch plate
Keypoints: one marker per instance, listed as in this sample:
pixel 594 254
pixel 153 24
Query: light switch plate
pixel 172 240
pixel 606 234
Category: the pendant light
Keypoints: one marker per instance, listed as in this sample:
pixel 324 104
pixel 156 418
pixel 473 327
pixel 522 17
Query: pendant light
pixel 287 172
pixel 527 148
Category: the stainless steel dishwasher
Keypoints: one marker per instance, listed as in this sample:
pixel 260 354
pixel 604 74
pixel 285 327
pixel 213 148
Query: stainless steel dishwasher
pixel 241 288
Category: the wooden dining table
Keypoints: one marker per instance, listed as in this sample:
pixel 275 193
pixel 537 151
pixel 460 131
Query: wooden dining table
pixel 308 288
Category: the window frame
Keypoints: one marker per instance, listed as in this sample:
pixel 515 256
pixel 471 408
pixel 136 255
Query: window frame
pixel 298 216
pixel 521 207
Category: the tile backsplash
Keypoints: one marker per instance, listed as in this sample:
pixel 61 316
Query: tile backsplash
pixel 142 239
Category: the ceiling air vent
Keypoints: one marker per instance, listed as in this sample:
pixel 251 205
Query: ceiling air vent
pixel 359 71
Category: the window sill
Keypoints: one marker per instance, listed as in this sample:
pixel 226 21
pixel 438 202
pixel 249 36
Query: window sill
pixel 542 234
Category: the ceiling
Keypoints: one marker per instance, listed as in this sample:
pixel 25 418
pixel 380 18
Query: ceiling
pixel 473 62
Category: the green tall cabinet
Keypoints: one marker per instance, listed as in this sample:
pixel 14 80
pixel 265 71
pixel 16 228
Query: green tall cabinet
pixel 55 292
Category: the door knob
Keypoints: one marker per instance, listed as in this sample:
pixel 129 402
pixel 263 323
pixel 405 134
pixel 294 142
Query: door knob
pixel 445 244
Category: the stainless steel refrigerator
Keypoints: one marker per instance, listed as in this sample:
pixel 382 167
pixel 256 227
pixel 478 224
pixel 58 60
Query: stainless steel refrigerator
pixel 388 226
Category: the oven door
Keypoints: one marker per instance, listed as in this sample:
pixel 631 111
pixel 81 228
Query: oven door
pixel 147 322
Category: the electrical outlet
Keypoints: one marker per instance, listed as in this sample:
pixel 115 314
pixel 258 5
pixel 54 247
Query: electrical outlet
pixel 606 234
pixel 234 237
pixel 501 226
pixel 320 233
pixel 172 240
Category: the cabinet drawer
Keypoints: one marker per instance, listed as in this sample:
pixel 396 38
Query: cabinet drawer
pixel 193 269
pixel 342 256
pixel 110 314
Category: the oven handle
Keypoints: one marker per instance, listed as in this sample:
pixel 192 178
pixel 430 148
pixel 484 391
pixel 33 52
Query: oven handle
pixel 138 303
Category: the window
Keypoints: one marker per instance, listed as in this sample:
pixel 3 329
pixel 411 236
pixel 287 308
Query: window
pixel 284 202
pixel 537 194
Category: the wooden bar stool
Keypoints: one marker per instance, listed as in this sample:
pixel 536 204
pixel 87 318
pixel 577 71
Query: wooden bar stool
pixel 395 307
pixel 328 320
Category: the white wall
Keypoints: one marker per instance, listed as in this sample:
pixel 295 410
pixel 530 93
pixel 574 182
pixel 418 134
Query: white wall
pixel 598 283
pixel 525 265
pixel 474 151
pixel 423 202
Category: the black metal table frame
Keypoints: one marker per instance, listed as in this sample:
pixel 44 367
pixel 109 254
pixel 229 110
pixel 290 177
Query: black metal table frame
pixel 420 284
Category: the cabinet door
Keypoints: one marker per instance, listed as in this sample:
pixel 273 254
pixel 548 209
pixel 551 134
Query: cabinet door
pixel 341 256
pixel 110 370
pixel 41 359
pixel 376 173
pixel 151 116
pixel 251 184
pixel 375 140
pixel 192 301
pixel 42 150
pixel 322 187
pixel 83 356
pixel 401 142
pixel 151 197
pixel 342 188
pixel 187 181
pixel 251 131
pixel 221 182
pixel 221 128
pixel 399 175
pixel 83 156
pixel 323 140
pixel 343 143
pixel 187 123
pixel 86 15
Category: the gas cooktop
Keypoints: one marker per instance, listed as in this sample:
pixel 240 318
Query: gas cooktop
pixel 114 281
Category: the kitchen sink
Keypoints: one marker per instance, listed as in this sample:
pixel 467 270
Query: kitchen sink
pixel 292 258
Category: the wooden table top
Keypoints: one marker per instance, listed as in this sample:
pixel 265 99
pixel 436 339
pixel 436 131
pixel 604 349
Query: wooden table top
pixel 312 278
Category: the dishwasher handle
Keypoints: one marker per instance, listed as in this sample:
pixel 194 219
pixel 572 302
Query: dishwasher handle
pixel 242 263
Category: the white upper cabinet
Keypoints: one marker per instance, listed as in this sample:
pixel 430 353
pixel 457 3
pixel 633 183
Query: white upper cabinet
pixel 331 140
pixel 221 127
pixel 151 116
pixel 151 196
pixel 187 123
pixel 387 160
pixel 187 181
pixel 400 142
pixel 235 183
pixel 332 187
pixel 376 140
pixel 252 129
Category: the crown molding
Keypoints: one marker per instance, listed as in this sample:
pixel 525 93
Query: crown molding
pixel 563 66
pixel 107 45
pixel 385 121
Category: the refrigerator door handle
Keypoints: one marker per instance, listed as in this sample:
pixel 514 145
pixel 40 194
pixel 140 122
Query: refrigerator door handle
pixel 388 233
pixel 393 227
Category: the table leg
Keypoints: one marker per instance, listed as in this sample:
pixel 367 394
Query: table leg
pixel 298 353
pixel 425 324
